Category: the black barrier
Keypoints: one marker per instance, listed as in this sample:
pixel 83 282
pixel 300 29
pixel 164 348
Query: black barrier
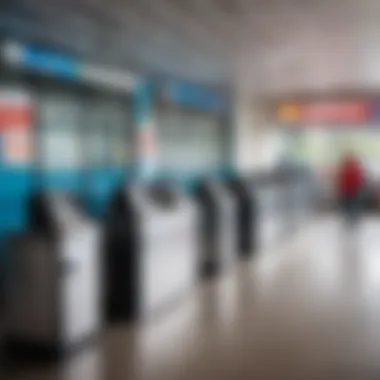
pixel 297 197
pixel 284 202
pixel 217 228
pixel 259 183
pixel 246 209
pixel 151 250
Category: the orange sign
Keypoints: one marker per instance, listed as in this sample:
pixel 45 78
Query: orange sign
pixel 288 112
pixel 324 112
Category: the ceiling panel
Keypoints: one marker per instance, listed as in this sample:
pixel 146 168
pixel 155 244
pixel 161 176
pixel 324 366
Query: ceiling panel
pixel 267 46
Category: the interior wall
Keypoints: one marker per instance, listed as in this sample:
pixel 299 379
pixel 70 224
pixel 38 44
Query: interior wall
pixel 258 144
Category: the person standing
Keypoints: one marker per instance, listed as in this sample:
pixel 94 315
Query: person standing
pixel 350 184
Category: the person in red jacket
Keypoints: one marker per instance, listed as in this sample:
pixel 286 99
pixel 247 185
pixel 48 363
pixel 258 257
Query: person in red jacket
pixel 350 183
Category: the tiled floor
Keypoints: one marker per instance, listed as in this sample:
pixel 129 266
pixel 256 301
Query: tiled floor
pixel 309 310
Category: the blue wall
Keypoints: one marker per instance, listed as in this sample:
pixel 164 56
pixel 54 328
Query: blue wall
pixel 14 190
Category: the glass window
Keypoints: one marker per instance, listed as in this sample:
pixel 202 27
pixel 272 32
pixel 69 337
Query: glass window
pixel 107 133
pixel 324 146
pixel 97 149
pixel 189 140
pixel 59 119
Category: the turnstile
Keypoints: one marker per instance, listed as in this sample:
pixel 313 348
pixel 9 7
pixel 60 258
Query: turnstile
pixel 289 209
pixel 246 214
pixel 269 191
pixel 151 250
pixel 300 196
pixel 54 284
pixel 285 203
pixel 217 228
pixel 265 204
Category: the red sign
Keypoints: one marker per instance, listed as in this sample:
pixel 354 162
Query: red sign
pixel 328 112
pixel 335 112
pixel 14 115
pixel 15 126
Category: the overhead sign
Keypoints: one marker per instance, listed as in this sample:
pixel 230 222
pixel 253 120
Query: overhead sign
pixel 103 76
pixel 45 61
pixel 37 58
pixel 288 112
pixel 324 112
pixel 335 112
pixel 192 95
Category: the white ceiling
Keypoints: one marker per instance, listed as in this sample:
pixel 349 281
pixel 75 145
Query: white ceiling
pixel 267 46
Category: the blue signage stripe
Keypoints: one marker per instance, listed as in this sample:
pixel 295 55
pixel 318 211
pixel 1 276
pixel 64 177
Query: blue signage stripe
pixel 192 95
pixel 37 58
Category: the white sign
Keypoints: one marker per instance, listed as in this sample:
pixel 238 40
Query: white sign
pixel 108 77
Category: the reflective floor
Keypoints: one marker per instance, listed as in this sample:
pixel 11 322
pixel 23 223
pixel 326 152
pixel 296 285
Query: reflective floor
pixel 307 310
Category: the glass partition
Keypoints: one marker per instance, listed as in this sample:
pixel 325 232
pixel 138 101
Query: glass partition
pixel 59 122
pixel 109 148
pixel 322 148
pixel 60 150
pixel 108 133
pixel 189 140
